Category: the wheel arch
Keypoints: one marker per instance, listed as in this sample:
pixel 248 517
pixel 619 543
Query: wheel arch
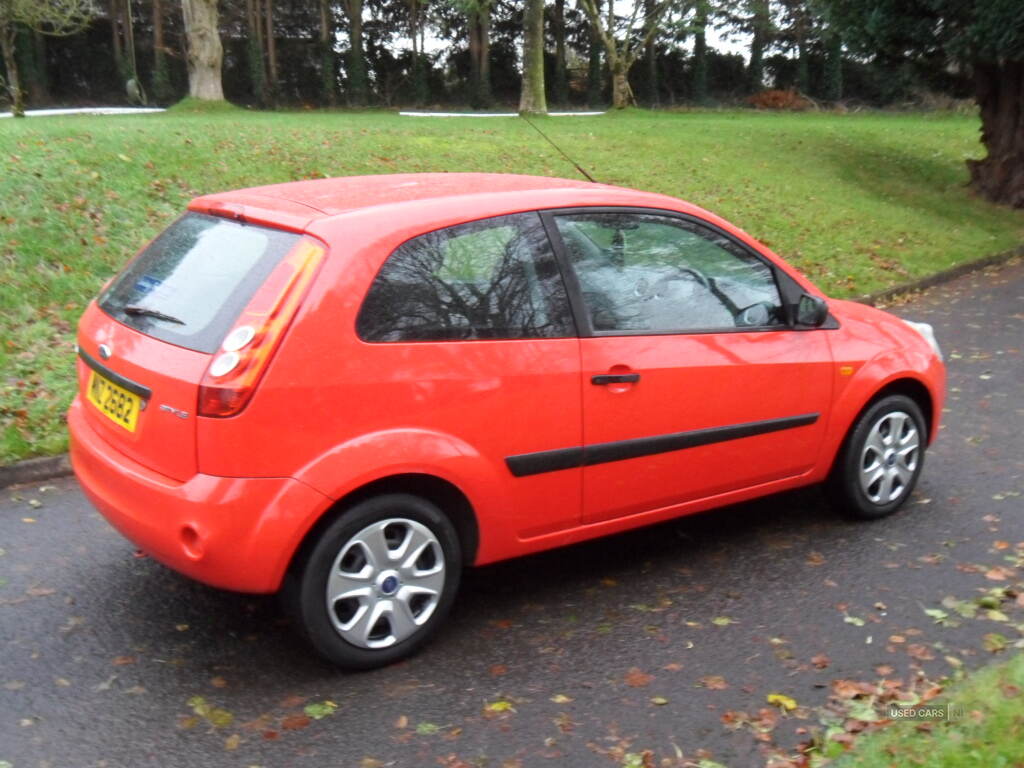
pixel 913 389
pixel 445 495
pixel 906 386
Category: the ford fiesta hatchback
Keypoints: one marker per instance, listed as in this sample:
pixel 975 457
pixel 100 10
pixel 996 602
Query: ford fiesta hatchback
pixel 347 390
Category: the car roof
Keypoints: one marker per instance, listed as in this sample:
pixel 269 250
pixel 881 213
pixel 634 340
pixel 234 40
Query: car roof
pixel 298 203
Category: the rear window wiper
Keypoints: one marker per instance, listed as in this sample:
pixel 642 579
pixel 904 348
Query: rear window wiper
pixel 135 309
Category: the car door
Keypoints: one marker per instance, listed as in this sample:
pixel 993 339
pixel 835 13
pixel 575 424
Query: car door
pixel 694 381
pixel 468 332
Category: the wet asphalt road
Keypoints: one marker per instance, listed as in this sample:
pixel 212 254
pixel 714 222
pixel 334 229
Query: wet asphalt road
pixel 602 651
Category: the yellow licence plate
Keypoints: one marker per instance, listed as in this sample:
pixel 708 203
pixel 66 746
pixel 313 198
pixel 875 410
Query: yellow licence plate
pixel 116 403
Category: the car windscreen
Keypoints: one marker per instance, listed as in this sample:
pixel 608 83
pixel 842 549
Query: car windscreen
pixel 190 284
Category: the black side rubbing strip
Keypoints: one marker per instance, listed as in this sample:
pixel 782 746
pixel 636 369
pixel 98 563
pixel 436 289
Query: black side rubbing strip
pixel 544 461
pixel 601 453
pixel 137 389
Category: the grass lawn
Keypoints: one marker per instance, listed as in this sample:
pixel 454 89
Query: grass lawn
pixel 990 732
pixel 858 202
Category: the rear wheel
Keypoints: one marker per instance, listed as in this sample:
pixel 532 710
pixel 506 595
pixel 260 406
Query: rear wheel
pixel 881 460
pixel 378 582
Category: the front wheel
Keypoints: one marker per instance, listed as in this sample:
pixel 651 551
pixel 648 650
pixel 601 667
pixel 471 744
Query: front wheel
pixel 378 582
pixel 881 459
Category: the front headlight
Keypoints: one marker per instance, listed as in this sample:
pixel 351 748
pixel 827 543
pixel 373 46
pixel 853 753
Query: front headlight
pixel 929 334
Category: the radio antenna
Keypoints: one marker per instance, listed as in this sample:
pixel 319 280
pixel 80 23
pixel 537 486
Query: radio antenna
pixel 559 149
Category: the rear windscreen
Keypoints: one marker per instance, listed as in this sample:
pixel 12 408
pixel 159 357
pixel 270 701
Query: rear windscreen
pixel 191 283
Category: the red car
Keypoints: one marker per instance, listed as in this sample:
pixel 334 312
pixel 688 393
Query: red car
pixel 346 390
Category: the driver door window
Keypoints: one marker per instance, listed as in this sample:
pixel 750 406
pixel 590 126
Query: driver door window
pixel 642 272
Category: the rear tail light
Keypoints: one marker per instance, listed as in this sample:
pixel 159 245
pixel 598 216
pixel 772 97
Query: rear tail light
pixel 235 371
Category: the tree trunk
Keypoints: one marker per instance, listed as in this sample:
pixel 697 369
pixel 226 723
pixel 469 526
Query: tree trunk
pixel 803 74
pixel 327 72
pixel 30 70
pixel 273 86
pixel 205 54
pixel 357 83
pixel 35 77
pixel 560 91
pixel 651 63
pixel 116 9
pixel 833 89
pixel 622 94
pixel 594 70
pixel 999 91
pixel 161 84
pixel 484 94
pixel 419 75
pixel 254 51
pixel 532 99
pixel 758 41
pixel 7 35
pixel 479 23
pixel 700 53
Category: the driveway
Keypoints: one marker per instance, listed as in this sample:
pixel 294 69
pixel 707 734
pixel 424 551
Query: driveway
pixel 651 648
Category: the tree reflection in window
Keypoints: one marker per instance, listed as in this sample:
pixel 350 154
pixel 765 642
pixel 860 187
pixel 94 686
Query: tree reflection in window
pixel 490 279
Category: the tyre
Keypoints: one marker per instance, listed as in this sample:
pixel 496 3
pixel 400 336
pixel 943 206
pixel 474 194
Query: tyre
pixel 881 459
pixel 378 582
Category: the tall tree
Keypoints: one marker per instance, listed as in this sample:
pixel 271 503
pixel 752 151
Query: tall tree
pixel 559 88
pixel 115 12
pixel 760 27
pixel 594 69
pixel 478 16
pixel 54 17
pixel 204 54
pixel 161 84
pixel 985 37
pixel 621 46
pixel 273 85
pixel 700 51
pixel 254 54
pixel 419 73
pixel 133 84
pixel 532 99
pixel 328 73
pixel 832 88
pixel 358 85
pixel 650 79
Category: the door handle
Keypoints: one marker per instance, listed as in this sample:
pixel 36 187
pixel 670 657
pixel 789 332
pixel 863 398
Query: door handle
pixel 618 378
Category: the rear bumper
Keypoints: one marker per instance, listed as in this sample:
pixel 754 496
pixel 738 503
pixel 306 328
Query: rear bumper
pixel 228 532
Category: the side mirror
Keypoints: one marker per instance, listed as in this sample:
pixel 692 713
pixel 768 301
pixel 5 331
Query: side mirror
pixel 811 311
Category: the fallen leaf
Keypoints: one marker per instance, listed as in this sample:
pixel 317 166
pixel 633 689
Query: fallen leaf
pixel 320 710
pixel 635 678
pixel 722 621
pixel 123 661
pixel 231 742
pixel 402 722
pixel 920 652
pixel 296 722
pixel 498 670
pixel 782 701
pixel 219 682
pixel 501 705
pixel 659 701
pixel 713 682
pixel 820 661
pixel 994 642
pixel 561 698
pixel 427 729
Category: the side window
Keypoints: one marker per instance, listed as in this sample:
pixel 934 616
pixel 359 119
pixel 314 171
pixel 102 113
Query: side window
pixel 645 272
pixel 490 279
